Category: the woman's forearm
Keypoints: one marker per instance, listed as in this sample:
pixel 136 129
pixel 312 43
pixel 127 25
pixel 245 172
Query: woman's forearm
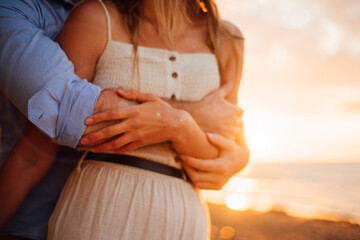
pixel 191 140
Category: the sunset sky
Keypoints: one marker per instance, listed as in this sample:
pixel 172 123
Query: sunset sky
pixel 301 84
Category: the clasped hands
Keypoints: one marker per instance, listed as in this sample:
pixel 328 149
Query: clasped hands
pixel 140 119
pixel 149 122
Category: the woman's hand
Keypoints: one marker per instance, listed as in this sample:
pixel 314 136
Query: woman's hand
pixel 152 121
pixel 215 173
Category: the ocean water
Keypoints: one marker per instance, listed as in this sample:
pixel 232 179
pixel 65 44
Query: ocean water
pixel 326 191
pixel 314 190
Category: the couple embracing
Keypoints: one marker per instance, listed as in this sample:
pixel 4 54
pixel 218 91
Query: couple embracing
pixel 144 90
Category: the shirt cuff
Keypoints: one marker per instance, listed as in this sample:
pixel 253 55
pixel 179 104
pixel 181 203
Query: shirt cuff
pixel 64 120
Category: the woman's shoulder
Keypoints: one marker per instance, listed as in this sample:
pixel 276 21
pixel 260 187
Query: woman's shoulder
pixel 85 30
pixel 94 13
pixel 89 12
pixel 228 29
pixel 231 45
pixel 230 39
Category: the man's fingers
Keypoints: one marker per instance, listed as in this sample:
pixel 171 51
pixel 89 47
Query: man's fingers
pixel 240 122
pixel 136 96
pixel 225 89
pixel 203 180
pixel 208 185
pixel 220 141
pixel 114 144
pixel 106 133
pixel 130 147
pixel 114 114
pixel 200 164
pixel 196 175
pixel 239 111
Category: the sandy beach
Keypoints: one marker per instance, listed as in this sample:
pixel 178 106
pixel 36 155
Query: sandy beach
pixel 250 225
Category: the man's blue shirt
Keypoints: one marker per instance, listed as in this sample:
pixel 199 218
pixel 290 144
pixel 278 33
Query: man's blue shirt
pixel 35 74
pixel 37 80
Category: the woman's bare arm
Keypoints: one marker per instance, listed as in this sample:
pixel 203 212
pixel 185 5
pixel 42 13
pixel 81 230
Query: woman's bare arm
pixel 234 156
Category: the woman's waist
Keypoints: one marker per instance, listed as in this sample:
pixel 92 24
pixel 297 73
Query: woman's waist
pixel 161 153
pixel 158 157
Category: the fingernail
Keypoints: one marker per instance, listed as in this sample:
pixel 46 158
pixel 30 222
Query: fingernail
pixel 85 140
pixel 210 135
pixel 120 91
pixel 89 121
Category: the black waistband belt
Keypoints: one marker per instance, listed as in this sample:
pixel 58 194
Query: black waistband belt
pixel 68 153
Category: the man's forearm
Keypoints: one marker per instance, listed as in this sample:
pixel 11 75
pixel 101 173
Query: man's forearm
pixel 36 75
pixel 25 167
pixel 214 113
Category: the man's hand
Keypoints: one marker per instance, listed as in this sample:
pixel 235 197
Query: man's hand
pixel 151 121
pixel 214 113
pixel 108 100
pixel 215 173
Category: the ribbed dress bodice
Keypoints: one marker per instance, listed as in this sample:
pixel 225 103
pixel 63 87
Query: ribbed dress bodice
pixel 167 74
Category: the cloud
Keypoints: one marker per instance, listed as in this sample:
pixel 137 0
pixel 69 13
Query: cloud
pixel 353 107
pixel 353 46
pixel 293 14
pixel 278 56
pixel 331 36
pixel 344 100
pixel 330 24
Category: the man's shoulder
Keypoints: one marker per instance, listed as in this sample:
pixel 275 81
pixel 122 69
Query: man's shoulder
pixel 41 13
pixel 19 6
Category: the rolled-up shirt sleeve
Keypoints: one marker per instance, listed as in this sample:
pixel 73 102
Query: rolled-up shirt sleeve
pixel 39 79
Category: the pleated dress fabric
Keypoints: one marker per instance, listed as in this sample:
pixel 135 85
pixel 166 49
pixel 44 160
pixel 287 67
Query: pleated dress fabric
pixel 103 200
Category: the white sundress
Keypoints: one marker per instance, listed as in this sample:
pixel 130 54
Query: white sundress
pixel 112 201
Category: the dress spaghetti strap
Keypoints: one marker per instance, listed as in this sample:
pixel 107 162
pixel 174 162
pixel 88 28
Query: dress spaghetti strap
pixel 108 19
